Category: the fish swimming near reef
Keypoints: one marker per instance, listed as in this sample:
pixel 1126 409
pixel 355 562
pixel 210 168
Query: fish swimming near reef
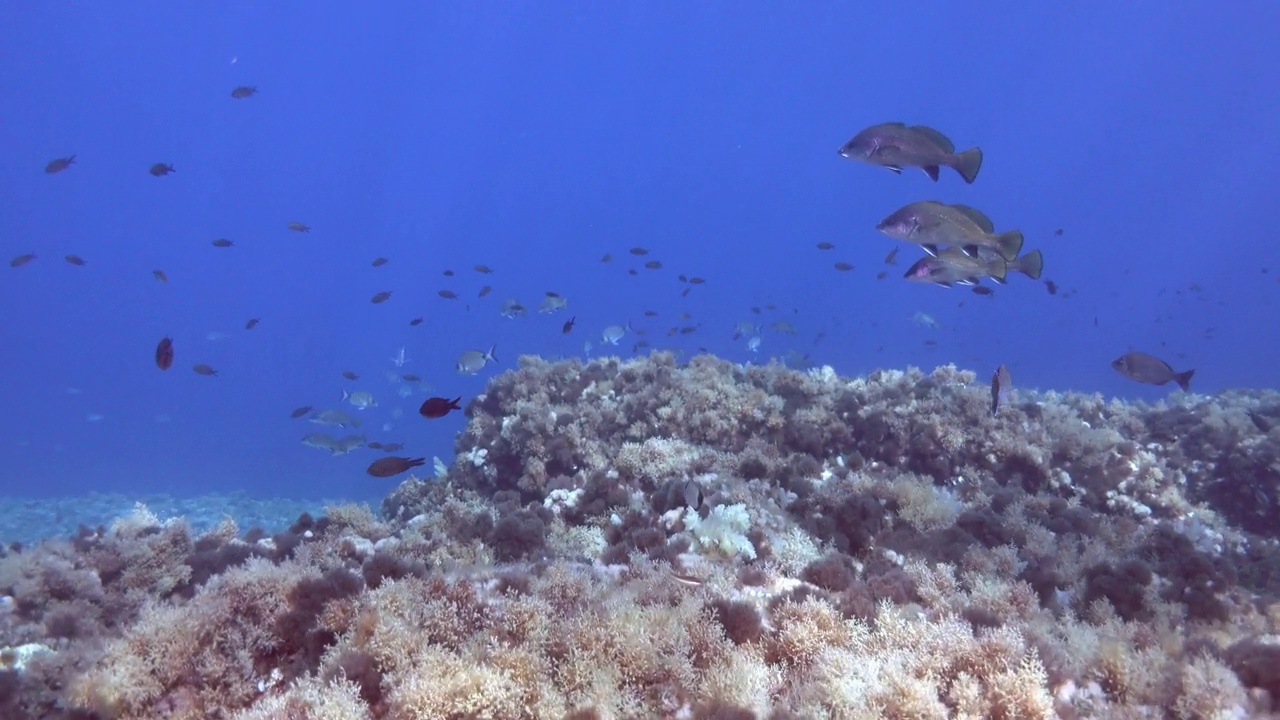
pixel 438 407
pixel 1149 369
pixel 389 466
pixel 473 361
pixel 1001 384
pixel 895 145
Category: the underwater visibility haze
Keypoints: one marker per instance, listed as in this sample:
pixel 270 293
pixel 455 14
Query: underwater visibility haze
pixel 644 285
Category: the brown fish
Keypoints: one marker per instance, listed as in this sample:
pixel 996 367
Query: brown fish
pixel 1151 370
pixel 203 369
pixel 568 325
pixel 447 294
pixel 251 324
pixel 57 165
pixel 381 297
pixel 484 269
pixel 222 243
pixel 654 264
pixel 1001 382
pixel 438 407
pixel 638 251
pixel 843 266
pixel 164 354
pixel 894 145
pixel 415 322
pixel 389 466
pixel 244 91
pixel 22 260
pixel 161 169
pixel 826 246
pixel 373 445
pixel 159 275
pixel 410 377
pixel 350 375
pixel 379 262
pixel 299 412
pixel 299 227
pixel 75 259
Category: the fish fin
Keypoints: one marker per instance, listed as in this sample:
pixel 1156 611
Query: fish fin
pixel 970 250
pixel 968 282
pixel 1031 264
pixel 1000 281
pixel 896 170
pixel 942 283
pixel 930 248
pixel 1009 244
pixel 345 396
pixel 968 163
pixel 1184 379
pixel 491 357
pixel 931 171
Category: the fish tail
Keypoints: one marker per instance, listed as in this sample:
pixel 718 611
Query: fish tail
pixel 967 163
pixel 1009 244
pixel 1184 379
pixel 997 269
pixel 491 357
pixel 931 171
pixel 1031 264
pixel 345 396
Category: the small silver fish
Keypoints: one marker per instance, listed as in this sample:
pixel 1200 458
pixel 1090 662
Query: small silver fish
pixel 473 361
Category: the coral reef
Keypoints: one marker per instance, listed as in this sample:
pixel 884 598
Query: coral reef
pixel 642 538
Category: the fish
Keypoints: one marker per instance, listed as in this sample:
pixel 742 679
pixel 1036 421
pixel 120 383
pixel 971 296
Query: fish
pixel 160 275
pixel 826 246
pixel 438 407
pixel 473 361
pixel 74 259
pixel 346 444
pixel 389 466
pixel 415 322
pixel 299 227
pixel 359 399
pixel 164 353
pixel 22 260
pixel 982 290
pixel 161 169
pixel 334 417
pixel 931 224
pixel 350 375
pixel 613 334
pixel 202 369
pixel 251 323
pixel 1144 368
pixel 57 165
pixel 244 91
pixel 379 261
pixel 654 264
pixel 552 303
pixel 638 251
pixel 607 257
pixel 512 309
pixel 448 294
pixel 399 359
pixel 894 145
pixel 892 257
pixel 696 281
pixel 381 297
pixel 222 243
pixel 299 412
pixel 953 265
pixel 843 266
pixel 1051 286
pixel 1030 264
pixel 392 447
pixel 484 269
pixel 1001 383
pixel 692 494
pixel 484 291
pixel 568 325
pixel 373 445
pixel 448 273
pixel 320 441
pixel 753 343
pixel 745 328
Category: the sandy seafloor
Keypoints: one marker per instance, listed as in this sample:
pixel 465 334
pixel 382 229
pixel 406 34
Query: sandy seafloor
pixel 643 538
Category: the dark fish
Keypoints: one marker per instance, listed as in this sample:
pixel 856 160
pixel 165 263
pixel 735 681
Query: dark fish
pixel 350 375
pixel 373 445
pixel 57 165
pixel 1152 370
pixel 1051 286
pixel 389 466
pixel 251 324
pixel 607 257
pixel 410 377
pixel 484 291
pixel 243 92
pixel 299 227
pixel 982 290
pixel 632 271
pixel 161 169
pixel 693 494
pixel 381 297
pixel 164 354
pixel 448 273
pixel 568 326
pixel 696 281
pixel 159 275
pixel 299 412
pixel 379 262
pixel 895 146
pixel 203 369
pixel 654 264
pixel 1001 382
pixel 75 260
pixel 882 274
pixel 438 407
pixel 22 260
pixel 222 243
pixel 485 269
pixel 638 251
pixel 892 257
pixel 685 292
pixel 843 266
pixel 448 294
pixel 1058 232
pixel 415 322
pixel 651 313
pixel 825 246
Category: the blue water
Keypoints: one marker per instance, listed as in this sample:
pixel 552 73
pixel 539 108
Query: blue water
pixel 535 138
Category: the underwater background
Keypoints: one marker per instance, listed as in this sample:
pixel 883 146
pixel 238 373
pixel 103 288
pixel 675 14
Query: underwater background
pixel 1133 143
